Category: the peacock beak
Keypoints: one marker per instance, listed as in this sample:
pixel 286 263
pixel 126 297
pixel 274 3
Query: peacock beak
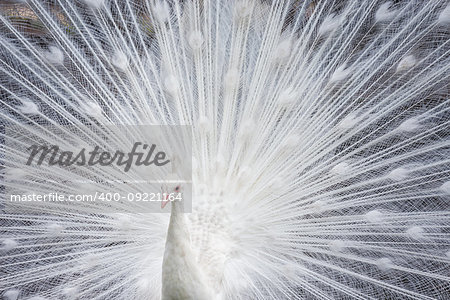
pixel 164 203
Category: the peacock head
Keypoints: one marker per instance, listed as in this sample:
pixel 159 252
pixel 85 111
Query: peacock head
pixel 175 189
pixel 170 196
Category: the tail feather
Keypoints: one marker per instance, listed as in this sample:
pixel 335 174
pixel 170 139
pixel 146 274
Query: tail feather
pixel 320 144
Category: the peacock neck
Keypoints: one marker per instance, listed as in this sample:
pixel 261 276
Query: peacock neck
pixel 176 213
pixel 177 225
pixel 182 278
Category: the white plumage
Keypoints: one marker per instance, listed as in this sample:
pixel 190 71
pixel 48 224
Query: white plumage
pixel 320 144
pixel 182 277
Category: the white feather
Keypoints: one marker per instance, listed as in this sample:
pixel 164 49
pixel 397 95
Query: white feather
pixel 120 60
pixel 341 73
pixel 54 55
pixel 11 294
pixel 406 63
pixel 384 13
pixel 28 107
pixel 444 16
pixel 330 23
pixel 96 4
pixel 9 244
pixel 319 137
pixel 384 263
